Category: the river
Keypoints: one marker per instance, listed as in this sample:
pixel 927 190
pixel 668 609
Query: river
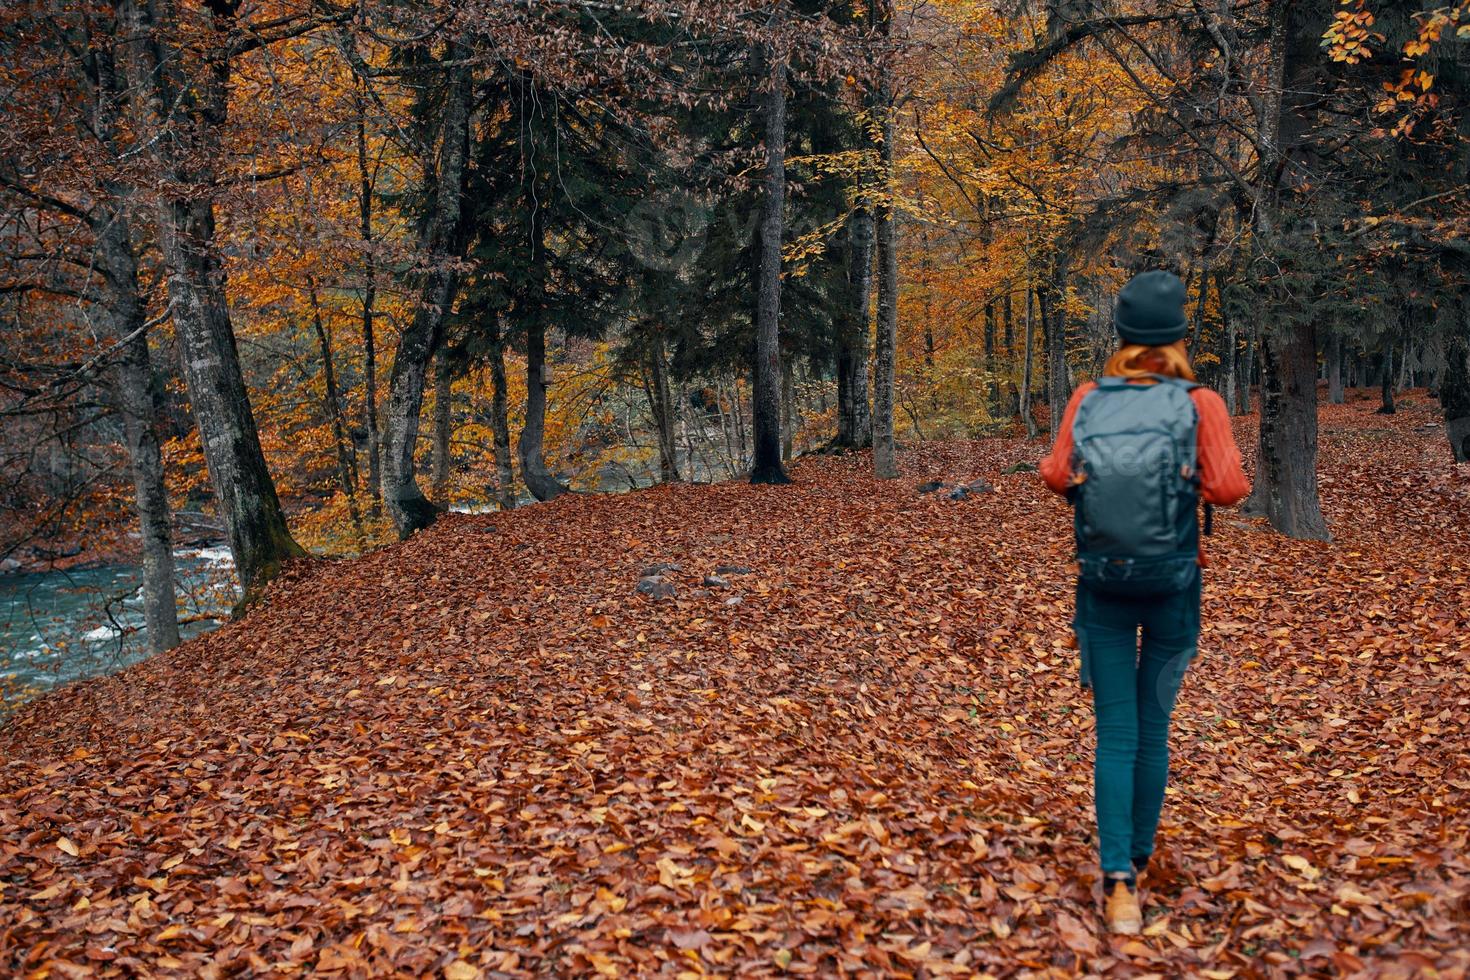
pixel 60 626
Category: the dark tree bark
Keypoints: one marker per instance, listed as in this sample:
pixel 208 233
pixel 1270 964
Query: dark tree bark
pixel 505 478
pixel 1051 301
pixel 1248 365
pixel 443 426
pixel 332 408
pixel 182 99
pixel 132 373
pixel 854 416
pixel 1335 394
pixel 661 407
pixel 1230 353
pixel 1286 461
pixel 365 184
pixel 992 387
pixel 1008 323
pixel 1027 415
pixel 440 242
pixel 766 378
pixel 1454 387
pixel 531 446
pixel 885 361
pixel 1385 380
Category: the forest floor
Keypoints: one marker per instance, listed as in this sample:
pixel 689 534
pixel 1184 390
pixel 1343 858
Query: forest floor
pixel 481 752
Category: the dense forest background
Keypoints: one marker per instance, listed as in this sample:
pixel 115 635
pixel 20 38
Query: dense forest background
pixel 302 275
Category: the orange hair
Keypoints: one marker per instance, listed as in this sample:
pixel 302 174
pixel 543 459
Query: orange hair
pixel 1138 361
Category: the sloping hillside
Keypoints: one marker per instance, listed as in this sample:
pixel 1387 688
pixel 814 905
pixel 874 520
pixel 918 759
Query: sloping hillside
pixel 483 750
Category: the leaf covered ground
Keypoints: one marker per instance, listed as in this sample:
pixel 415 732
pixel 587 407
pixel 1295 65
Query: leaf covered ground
pixel 481 753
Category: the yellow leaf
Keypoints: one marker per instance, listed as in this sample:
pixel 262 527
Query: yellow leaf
pixel 1301 865
pixel 66 845
pixel 460 970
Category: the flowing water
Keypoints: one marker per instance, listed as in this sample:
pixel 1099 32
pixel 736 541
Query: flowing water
pixel 60 626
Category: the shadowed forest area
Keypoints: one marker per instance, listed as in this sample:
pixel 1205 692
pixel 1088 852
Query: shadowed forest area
pixel 504 488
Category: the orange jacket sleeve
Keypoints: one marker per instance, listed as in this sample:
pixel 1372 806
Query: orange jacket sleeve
pixel 1222 481
pixel 1056 467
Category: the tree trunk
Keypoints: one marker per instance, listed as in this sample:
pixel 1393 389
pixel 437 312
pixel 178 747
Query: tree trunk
pixel 1230 354
pixel 885 362
pixel 1028 416
pixel 1248 368
pixel 1335 394
pixel 133 376
pixel 439 243
pixel 332 408
pixel 1385 380
pixel 766 378
pixel 854 416
pixel 992 387
pixel 1286 460
pixel 443 427
pixel 660 406
pixel 1013 391
pixel 505 478
pixel 1454 387
pixel 531 446
pixel 788 412
pixel 176 108
pixel 1054 323
pixel 369 301
pixel 132 373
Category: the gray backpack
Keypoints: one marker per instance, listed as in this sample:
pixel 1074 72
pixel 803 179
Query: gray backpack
pixel 1134 509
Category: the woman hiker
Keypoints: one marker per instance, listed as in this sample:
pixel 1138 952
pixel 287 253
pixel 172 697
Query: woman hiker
pixel 1134 454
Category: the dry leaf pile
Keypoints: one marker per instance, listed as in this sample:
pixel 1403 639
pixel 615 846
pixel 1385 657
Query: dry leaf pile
pixel 482 752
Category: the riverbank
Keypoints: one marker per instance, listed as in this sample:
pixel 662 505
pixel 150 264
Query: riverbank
pixel 483 750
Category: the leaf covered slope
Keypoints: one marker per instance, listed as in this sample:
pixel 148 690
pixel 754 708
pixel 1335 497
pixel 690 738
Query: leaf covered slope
pixel 481 750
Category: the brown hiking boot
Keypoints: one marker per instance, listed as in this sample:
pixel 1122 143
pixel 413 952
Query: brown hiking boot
pixel 1124 916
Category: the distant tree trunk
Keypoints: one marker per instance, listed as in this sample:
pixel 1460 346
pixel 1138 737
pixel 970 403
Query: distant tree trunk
pixel 1385 377
pixel 1248 367
pixel 1028 416
pixel 369 302
pixel 505 477
pixel 1454 387
pixel 992 387
pixel 766 378
pixel 332 408
pixel 1286 459
pixel 1230 354
pixel 1012 390
pixel 132 372
pixel 1335 393
pixel 660 406
pixel 854 416
pixel 539 480
pixel 1054 324
pixel 440 241
pixel 177 108
pixel 788 411
pixel 443 427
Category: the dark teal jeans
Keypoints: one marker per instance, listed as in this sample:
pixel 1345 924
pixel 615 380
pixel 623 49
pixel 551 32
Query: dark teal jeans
pixel 1134 655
